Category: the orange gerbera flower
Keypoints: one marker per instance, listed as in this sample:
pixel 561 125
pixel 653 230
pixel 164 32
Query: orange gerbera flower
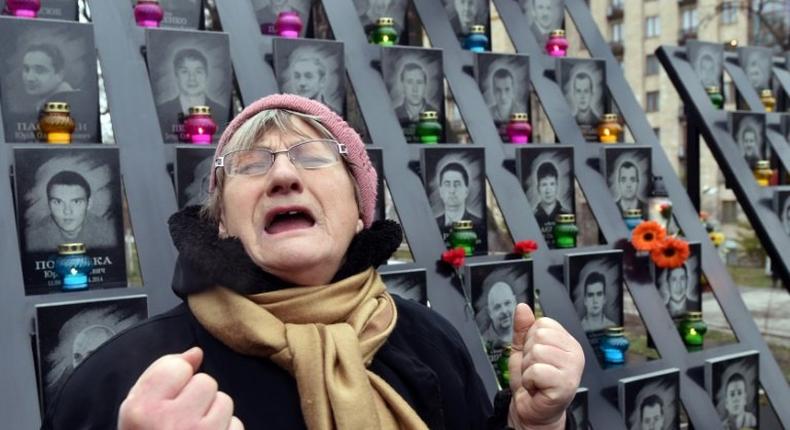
pixel 647 235
pixel 671 253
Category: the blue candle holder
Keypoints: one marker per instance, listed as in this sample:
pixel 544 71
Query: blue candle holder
pixel 613 346
pixel 632 218
pixel 476 40
pixel 73 266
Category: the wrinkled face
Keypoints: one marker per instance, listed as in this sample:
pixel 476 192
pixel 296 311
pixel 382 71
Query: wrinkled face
pixel 652 418
pixel 501 305
pixel 68 205
pixel 594 299
pixel 295 223
pixel 736 398
pixel 544 14
pixel 38 74
pixel 678 281
pixel 504 93
pixel 307 79
pixel 582 92
pixel 750 145
pixel 453 190
pixel 547 189
pixel 628 180
pixel 466 9
pixel 414 86
pixel 192 77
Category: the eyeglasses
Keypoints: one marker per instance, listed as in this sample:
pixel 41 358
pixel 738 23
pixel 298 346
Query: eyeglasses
pixel 310 154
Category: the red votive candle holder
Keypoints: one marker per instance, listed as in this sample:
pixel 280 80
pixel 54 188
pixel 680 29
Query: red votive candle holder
pixel 518 129
pixel 199 127
pixel 23 8
pixel 148 13
pixel 288 24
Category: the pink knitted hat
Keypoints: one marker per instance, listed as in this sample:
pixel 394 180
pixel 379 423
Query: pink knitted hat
pixel 359 163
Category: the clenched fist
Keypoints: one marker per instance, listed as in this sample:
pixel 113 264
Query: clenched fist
pixel 169 395
pixel 546 365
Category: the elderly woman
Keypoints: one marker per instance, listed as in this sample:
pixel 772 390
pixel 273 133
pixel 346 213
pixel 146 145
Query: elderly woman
pixel 286 324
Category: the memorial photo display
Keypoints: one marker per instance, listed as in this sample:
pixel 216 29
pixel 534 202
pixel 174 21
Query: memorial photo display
pixel 546 174
pixel 454 180
pixel 68 332
pixel 680 287
pixel 377 160
pixel 706 58
pixel 732 381
pixel 414 80
pixel 577 415
pixel 757 63
pixel 464 14
pixel 595 284
pixel 651 401
pixel 628 172
pixel 266 12
pixel 43 61
pixel 186 14
pixel 69 195
pixel 311 68
pixel 583 82
pixel 193 169
pixel 543 17
pixel 782 207
pixel 370 11
pixel 189 68
pixel 748 131
pixel 410 284
pixel 504 81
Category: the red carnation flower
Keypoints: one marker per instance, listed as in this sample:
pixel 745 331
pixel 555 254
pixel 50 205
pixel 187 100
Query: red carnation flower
pixel 525 247
pixel 454 257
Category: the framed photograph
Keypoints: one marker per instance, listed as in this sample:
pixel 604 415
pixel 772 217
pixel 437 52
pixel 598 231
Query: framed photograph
pixel 68 195
pixel 546 173
pixel 377 159
pixel 757 63
pixel 266 12
pixel 504 81
pixel 706 58
pixel 193 170
pixel 680 287
pixel 733 383
pixel 583 82
pixel 370 11
pixel 189 68
pixel 748 131
pixel 628 172
pixel 68 332
pixel 577 414
pixel 466 13
pixel 45 61
pixel 415 82
pixel 785 126
pixel 409 284
pixel 311 68
pixel 781 204
pixel 454 180
pixel 543 16
pixel 595 284
pixel 651 401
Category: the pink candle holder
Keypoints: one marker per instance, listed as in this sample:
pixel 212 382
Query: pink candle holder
pixel 23 8
pixel 148 13
pixel 518 129
pixel 557 45
pixel 199 127
pixel 288 24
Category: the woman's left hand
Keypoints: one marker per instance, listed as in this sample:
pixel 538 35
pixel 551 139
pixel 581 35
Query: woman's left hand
pixel 546 365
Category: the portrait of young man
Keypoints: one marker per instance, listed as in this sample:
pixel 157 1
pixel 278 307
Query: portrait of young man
pixel 267 11
pixel 595 283
pixel 466 13
pixel 650 401
pixel 679 286
pixel 629 175
pixel 370 11
pixel 756 62
pixel 584 85
pixel 543 17
pixel 312 69
pixel 733 384
pixel 749 133
pixel 706 58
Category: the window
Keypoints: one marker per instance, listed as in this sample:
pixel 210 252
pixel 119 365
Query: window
pixel 689 20
pixel 651 101
pixel 653 26
pixel 617 4
pixel 729 12
pixel 617 32
pixel 657 132
pixel 651 65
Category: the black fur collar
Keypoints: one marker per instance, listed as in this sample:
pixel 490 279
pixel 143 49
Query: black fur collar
pixel 205 260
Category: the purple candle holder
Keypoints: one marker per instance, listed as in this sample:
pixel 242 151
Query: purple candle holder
pixel 199 127
pixel 148 13
pixel 557 45
pixel 288 24
pixel 518 129
pixel 23 8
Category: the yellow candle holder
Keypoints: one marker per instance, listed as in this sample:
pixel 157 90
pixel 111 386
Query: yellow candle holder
pixel 609 128
pixel 763 173
pixel 768 99
pixel 56 122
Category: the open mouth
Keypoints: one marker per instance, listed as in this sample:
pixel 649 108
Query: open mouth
pixel 281 221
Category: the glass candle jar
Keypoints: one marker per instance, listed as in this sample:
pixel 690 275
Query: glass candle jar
pixel 56 123
pixel 73 266
pixel 692 330
pixel 476 40
pixel 199 127
pixel 768 99
pixel 763 173
pixel 715 96
pixel 613 346
pixel 565 231
pixel 463 235
pixel 557 44
pixel 632 218
pixel 503 367
pixel 148 13
pixel 519 129
pixel 609 128
pixel 23 8
pixel 428 129
pixel 288 24
pixel 384 34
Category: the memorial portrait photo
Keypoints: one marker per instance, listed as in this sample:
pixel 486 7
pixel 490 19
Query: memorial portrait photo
pixel 583 82
pixel 733 383
pixel 370 11
pixel 546 174
pixel 679 287
pixel 504 81
pixel 47 61
pixel 706 58
pixel 376 156
pixel 543 17
pixel 748 130
pixel 577 415
pixel 628 172
pixel 313 69
pixel 193 168
pixel 782 207
pixel 266 12
pixel 410 284
pixel 757 63
pixel 595 284
pixel 466 13
pixel 189 68
pixel 454 180
pixel 651 401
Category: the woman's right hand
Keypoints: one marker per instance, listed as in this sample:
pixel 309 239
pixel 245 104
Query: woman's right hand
pixel 170 395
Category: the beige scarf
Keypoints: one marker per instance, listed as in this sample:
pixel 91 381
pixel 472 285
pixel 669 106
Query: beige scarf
pixel 325 336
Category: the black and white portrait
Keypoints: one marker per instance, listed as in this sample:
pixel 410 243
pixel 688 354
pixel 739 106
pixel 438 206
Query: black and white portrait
pixel 651 401
pixel 370 11
pixel 68 332
pixel 782 207
pixel 583 81
pixel 679 287
pixel 706 58
pixel 748 130
pixel 311 68
pixel 409 284
pixel 414 81
pixel 733 384
pixel 43 61
pixel 577 415
pixel 543 17
pixel 466 13
pixel 595 283
pixel 193 169
pixel 546 173
pixel 189 68
pixel 377 160
pixel 504 82
pixel 454 180
pixel 69 195
pixel 628 173
pixel 757 63
pixel 267 11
